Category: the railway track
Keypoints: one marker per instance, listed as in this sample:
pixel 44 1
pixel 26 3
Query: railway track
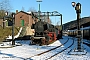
pixel 61 51
pixel 87 42
pixel 49 50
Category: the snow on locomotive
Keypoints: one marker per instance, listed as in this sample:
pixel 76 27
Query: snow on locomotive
pixel 45 33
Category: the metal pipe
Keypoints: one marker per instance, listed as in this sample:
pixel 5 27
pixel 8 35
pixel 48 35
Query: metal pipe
pixel 78 11
pixel 79 32
pixel 61 25
pixel 3 22
pixel 13 42
pixel 39 11
pixel 13 17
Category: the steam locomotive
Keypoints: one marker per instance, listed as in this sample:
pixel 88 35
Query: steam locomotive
pixel 45 33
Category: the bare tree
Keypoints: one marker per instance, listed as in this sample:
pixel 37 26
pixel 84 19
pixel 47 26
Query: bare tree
pixel 32 9
pixel 23 9
pixel 4 7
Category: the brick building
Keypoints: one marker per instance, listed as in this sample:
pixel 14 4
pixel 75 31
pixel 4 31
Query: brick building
pixel 23 19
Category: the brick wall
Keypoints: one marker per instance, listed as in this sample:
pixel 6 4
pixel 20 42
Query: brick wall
pixel 28 20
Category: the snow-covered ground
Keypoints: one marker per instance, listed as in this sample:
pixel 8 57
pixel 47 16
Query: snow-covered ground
pixel 26 51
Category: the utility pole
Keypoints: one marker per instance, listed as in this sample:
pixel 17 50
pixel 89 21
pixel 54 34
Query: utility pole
pixel 13 19
pixel 79 42
pixel 78 11
pixel 61 26
pixel 78 26
pixel 39 8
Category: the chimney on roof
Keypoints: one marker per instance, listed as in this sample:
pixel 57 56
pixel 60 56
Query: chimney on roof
pixel 16 11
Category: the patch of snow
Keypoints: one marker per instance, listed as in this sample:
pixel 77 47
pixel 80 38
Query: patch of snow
pixel 10 37
pixel 25 51
pixel 57 43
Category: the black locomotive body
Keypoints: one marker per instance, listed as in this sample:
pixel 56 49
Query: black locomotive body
pixel 45 33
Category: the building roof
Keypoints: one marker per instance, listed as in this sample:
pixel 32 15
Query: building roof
pixel 23 12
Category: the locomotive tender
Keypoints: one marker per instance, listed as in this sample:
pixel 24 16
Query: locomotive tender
pixel 45 33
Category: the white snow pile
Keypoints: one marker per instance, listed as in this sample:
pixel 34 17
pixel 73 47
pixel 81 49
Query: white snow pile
pixel 5 44
pixel 25 51
pixel 57 43
pixel 9 45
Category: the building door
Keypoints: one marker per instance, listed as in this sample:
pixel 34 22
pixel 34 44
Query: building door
pixel 22 22
pixel 6 23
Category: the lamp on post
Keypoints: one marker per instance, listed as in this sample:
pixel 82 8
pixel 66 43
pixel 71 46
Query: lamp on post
pixel 78 11
pixel 39 7
pixel 6 14
pixel 13 17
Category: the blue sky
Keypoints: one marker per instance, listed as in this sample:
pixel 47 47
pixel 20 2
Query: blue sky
pixel 62 6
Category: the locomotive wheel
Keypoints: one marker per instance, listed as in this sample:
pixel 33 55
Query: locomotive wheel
pixel 43 41
pixel 32 40
pixel 47 42
pixel 59 36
